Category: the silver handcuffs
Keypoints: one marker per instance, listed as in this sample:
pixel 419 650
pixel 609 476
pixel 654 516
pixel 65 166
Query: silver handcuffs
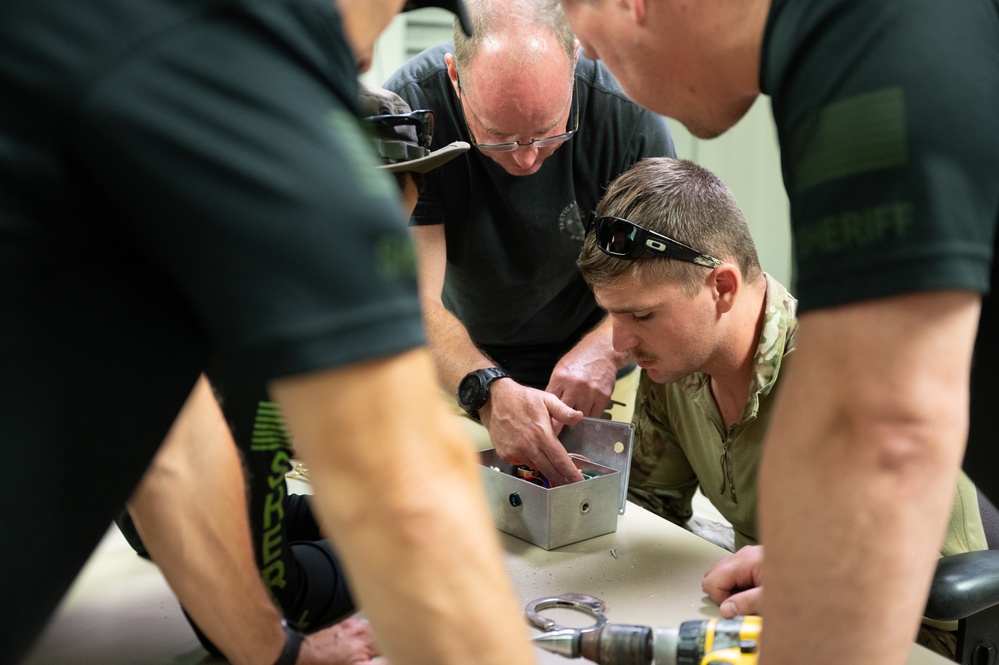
pixel 590 605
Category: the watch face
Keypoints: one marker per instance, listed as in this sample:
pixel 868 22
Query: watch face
pixel 468 390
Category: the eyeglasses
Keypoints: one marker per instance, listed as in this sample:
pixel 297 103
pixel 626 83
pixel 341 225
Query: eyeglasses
pixel 510 146
pixel 422 122
pixel 625 239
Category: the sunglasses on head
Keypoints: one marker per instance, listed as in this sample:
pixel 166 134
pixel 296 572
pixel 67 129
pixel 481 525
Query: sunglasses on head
pixel 625 239
pixel 421 120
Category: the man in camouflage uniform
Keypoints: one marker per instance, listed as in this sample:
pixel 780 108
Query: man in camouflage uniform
pixel 710 335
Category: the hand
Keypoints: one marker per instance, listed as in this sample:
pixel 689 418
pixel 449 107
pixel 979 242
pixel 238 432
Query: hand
pixel 584 378
pixel 349 642
pixel 524 423
pixel 736 582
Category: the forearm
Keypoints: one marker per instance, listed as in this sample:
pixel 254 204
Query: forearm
pixel 454 352
pixel 858 477
pixel 398 486
pixel 191 512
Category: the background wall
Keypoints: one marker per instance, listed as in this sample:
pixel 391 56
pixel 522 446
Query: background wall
pixel 746 157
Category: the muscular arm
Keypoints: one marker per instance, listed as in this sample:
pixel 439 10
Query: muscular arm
pixel 397 483
pixel 191 512
pixel 858 473
pixel 454 352
pixel 187 510
pixel 523 422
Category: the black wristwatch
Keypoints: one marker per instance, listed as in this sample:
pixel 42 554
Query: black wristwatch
pixel 292 644
pixel 473 391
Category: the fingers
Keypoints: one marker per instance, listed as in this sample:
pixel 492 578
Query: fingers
pixel 550 458
pixel 350 642
pixel 560 411
pixel 745 602
pixel 590 400
pixel 735 575
pixel 584 377
pixel 524 423
pixel 562 469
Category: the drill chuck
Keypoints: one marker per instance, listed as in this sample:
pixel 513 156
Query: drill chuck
pixel 618 644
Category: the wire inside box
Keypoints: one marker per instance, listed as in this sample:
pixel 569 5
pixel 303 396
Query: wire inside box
pixel 523 472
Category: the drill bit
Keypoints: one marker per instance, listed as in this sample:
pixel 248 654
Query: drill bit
pixel 564 642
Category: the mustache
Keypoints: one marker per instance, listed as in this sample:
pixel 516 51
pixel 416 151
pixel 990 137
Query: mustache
pixel 644 357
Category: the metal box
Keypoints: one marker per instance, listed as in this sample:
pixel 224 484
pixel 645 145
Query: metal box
pixel 557 516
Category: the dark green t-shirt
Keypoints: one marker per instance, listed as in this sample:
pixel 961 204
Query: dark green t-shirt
pixel 512 242
pixel 179 180
pixel 888 119
pixel 889 133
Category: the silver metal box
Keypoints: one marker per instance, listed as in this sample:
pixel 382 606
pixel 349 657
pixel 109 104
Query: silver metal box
pixel 553 517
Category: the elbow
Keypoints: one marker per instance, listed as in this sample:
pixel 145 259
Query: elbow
pixel 909 434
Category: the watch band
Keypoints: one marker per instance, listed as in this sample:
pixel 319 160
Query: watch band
pixel 292 644
pixel 486 376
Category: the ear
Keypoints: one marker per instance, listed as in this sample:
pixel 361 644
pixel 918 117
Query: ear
pixel 452 70
pixel 638 10
pixel 575 51
pixel 726 281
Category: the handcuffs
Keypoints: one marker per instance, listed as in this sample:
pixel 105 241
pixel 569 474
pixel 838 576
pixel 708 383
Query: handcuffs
pixel 590 605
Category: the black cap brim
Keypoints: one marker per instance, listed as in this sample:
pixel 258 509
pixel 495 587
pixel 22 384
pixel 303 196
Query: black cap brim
pixel 456 7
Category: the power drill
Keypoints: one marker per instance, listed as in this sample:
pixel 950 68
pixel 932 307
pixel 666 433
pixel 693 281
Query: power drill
pixel 702 642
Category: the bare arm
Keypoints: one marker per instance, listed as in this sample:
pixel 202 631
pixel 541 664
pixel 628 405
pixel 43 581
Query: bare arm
pixel 398 484
pixel 455 354
pixel 858 473
pixel 187 511
pixel 523 422
pixel 191 512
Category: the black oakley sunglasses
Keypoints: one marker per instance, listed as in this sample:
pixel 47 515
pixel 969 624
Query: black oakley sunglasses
pixel 625 239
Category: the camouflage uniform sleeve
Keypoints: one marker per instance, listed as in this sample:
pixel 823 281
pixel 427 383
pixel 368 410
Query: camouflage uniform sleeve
pixel 661 478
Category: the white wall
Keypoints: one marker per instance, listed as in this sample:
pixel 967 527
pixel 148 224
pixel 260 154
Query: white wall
pixel 746 157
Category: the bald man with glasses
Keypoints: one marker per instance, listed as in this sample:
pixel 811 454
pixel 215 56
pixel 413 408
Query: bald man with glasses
pixel 516 335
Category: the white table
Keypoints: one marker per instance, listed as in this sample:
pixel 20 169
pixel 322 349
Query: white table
pixel 648 572
pixel 121 612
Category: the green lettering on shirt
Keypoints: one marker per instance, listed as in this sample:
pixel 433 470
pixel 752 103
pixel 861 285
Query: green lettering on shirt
pixel 854 229
pixel 396 258
pixel 270 435
pixel 269 432
pixel 273 575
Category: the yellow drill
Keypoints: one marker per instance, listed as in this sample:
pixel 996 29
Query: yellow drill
pixel 702 642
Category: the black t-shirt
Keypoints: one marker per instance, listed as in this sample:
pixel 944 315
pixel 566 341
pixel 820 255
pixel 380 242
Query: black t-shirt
pixel 179 180
pixel 513 241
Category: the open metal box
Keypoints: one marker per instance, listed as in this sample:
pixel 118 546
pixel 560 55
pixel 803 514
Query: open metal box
pixel 557 516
